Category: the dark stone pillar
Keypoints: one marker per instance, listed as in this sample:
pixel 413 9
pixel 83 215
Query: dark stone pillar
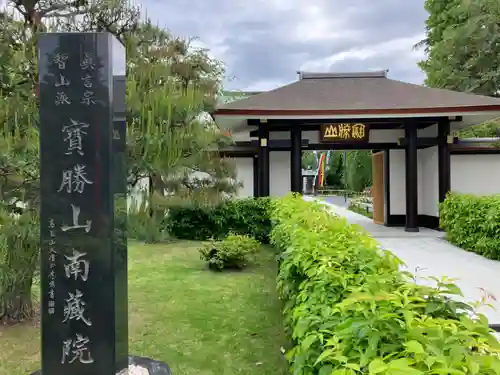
pixel 84 327
pixel 444 159
pixel 82 181
pixel 255 176
pixel 411 159
pixel 263 160
pixel 296 159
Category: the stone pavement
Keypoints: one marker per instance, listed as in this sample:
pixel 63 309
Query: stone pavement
pixel 427 253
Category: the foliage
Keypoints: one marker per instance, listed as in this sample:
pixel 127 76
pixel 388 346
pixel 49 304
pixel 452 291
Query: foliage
pixel 358 205
pixel 233 252
pixel 309 160
pixel 19 252
pixel 145 226
pixel 350 310
pixel 358 173
pixel 463 45
pixel 472 223
pixel 170 86
pixel 335 171
pixel 488 129
pixel 202 222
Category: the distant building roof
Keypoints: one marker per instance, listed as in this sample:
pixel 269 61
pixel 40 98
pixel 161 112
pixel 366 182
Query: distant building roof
pixel 353 93
pixel 361 94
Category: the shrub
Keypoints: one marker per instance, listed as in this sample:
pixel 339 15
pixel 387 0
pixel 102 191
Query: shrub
pixel 142 224
pixel 233 252
pixel 241 216
pixel 472 223
pixel 358 205
pixel 19 255
pixel 349 309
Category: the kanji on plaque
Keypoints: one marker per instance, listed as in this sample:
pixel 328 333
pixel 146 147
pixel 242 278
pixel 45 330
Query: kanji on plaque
pixel 77 350
pixel 77 266
pixel 60 60
pixel 74 179
pixel 76 224
pixel 87 63
pixel 74 133
pixel 74 308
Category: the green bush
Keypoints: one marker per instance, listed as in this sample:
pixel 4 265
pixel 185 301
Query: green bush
pixel 233 252
pixel 241 216
pixel 19 255
pixel 349 309
pixel 358 205
pixel 472 223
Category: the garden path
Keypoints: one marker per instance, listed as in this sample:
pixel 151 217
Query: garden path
pixel 427 253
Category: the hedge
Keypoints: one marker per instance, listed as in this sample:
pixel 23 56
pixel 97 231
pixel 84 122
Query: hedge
pixel 349 309
pixel 248 216
pixel 472 223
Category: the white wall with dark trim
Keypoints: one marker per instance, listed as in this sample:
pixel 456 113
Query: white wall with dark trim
pixel 244 174
pixel 472 174
pixel 475 174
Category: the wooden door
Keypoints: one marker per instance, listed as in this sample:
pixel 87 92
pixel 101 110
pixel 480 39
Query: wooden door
pixel 378 187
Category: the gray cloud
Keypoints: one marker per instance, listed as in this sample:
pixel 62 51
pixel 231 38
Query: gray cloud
pixel 264 42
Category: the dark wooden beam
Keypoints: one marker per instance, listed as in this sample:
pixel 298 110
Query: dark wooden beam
pixel 255 175
pixel 411 172
pixel 422 142
pixel 293 122
pixel 296 160
pixel 263 161
pixel 444 160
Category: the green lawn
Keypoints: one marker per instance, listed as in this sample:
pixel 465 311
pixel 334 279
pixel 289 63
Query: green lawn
pixel 198 321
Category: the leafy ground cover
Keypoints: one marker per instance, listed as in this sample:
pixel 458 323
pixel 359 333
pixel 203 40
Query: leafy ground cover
pixel 198 321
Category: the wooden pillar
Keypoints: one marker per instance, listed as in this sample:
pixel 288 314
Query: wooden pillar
pixel 444 159
pixel 255 160
pixel 411 163
pixel 296 159
pixel 263 160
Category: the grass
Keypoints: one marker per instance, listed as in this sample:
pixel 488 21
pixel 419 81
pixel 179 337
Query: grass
pixel 198 321
pixel 360 210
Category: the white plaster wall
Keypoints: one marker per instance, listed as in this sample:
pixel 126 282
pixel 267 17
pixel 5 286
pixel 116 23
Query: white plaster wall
pixel 311 135
pixel 244 174
pixel 385 135
pixel 430 131
pixel 475 174
pixel 279 173
pixel 471 174
pixel 428 178
pixel 242 135
pixel 397 182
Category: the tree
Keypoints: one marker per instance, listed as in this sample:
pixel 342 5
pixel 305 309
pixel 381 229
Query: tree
pixel 309 160
pixel 463 49
pixel 170 86
pixel 463 45
pixel 335 170
pixel 358 172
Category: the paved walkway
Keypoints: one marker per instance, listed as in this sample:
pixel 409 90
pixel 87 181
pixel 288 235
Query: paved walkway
pixel 427 253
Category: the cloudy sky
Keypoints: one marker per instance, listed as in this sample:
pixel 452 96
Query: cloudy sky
pixel 264 42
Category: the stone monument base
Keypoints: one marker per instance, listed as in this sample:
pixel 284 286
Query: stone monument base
pixel 140 366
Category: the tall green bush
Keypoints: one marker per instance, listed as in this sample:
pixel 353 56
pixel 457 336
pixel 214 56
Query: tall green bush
pixel 19 254
pixel 472 223
pixel 349 309
pixel 239 216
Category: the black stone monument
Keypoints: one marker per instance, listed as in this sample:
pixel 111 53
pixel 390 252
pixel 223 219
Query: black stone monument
pixel 83 239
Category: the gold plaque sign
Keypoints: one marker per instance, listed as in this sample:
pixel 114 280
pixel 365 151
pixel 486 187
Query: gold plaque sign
pixel 344 133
